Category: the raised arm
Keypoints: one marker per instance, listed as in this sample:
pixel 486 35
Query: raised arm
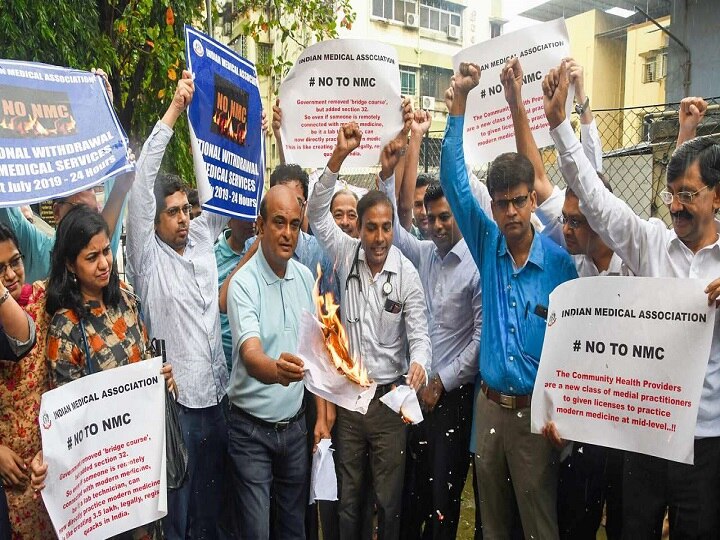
pixel 410 246
pixel 589 136
pixel 614 221
pixel 511 78
pixel 327 232
pixel 692 111
pixel 470 217
pixel 141 206
pixel 276 125
pixel 35 245
pixel 419 126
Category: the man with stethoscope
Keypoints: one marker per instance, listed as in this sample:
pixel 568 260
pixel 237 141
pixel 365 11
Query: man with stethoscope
pixel 383 309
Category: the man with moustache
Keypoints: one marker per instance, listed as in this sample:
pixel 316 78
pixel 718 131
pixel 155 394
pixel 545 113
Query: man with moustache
pixel 519 269
pixel 691 249
pixel 383 310
pixel 266 423
pixel 173 269
pixel 438 460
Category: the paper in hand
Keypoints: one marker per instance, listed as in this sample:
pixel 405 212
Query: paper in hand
pixel 403 400
pixel 323 481
pixel 321 376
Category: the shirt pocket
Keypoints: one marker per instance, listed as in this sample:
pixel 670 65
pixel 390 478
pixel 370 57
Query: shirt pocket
pixel 453 315
pixel 533 335
pixel 389 328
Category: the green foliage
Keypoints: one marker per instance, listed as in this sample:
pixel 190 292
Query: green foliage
pixel 139 43
pixel 295 23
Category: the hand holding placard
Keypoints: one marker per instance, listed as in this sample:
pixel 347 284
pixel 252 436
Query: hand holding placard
pixel 555 92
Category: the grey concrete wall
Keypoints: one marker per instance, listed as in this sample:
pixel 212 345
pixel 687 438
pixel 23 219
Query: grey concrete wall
pixel 697 24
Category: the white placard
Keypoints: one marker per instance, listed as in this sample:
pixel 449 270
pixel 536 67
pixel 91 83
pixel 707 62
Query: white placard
pixel 103 438
pixel 488 123
pixel 623 363
pixel 333 83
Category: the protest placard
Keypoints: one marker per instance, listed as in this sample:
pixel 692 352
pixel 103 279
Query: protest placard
pixel 103 438
pixel 623 363
pixel 488 123
pixel 58 133
pixel 333 83
pixel 225 118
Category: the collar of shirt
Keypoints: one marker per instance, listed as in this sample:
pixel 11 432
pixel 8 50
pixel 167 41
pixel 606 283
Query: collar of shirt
pixel 224 245
pixel 458 251
pixel 268 275
pixel 673 239
pixel 537 253
pixel 301 245
pixel 188 247
pixel 392 262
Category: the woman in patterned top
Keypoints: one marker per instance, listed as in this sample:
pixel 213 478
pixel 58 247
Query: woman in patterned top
pixel 22 383
pixel 91 311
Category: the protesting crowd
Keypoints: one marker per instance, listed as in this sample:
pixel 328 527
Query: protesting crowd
pixel 443 284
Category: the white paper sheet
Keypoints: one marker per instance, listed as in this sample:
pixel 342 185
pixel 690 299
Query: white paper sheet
pixel 321 377
pixel 403 400
pixel 323 481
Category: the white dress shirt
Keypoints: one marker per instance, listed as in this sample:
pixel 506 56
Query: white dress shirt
pixel 648 248
pixel 379 337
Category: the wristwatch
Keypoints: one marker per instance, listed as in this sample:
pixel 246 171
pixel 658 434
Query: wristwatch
pixel 580 109
pixel 4 297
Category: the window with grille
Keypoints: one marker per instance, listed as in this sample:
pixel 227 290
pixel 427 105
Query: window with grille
pixel 395 10
pixel 408 81
pixel 434 81
pixel 264 54
pixel 439 15
pixel 655 68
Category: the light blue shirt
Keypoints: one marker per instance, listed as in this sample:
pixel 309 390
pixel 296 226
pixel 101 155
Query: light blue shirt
pixel 265 306
pixel 454 301
pixel 226 260
pixel 513 333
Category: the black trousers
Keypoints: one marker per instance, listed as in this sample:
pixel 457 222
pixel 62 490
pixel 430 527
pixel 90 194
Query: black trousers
pixel 692 493
pixel 436 468
pixel 4 516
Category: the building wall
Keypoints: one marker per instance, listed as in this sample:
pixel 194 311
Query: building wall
pixel 695 23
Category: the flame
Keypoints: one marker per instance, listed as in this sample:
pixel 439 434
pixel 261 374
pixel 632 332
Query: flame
pixel 336 339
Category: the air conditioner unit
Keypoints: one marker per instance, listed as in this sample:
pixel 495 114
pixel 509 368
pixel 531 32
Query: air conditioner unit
pixel 411 19
pixel 453 31
pixel 428 103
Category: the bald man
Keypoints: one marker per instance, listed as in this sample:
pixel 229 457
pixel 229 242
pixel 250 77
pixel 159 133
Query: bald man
pixel 266 422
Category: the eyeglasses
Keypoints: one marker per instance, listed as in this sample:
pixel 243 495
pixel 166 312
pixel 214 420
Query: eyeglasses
pixel 573 223
pixel 173 211
pixel 518 202
pixel 16 263
pixel 683 197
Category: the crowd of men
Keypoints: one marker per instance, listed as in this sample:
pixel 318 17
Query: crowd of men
pixel 443 285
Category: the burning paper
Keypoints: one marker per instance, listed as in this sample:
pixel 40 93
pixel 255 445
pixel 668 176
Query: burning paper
pixel 335 336
pixel 321 376
pixel 403 400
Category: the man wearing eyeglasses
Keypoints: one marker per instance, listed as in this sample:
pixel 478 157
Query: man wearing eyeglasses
pixel 691 249
pixel 518 270
pixel 172 267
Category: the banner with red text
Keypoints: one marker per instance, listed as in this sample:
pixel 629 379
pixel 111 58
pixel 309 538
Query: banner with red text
pixel 623 363
pixel 333 83
pixel 103 438
pixel 488 124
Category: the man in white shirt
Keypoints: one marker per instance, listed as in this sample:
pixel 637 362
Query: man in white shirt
pixel 383 309
pixel 690 250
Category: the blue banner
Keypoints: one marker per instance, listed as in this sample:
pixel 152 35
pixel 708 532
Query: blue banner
pixel 58 133
pixel 225 127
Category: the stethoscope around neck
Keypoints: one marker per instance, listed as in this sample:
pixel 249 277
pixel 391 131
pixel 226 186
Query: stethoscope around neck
pixel 354 274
